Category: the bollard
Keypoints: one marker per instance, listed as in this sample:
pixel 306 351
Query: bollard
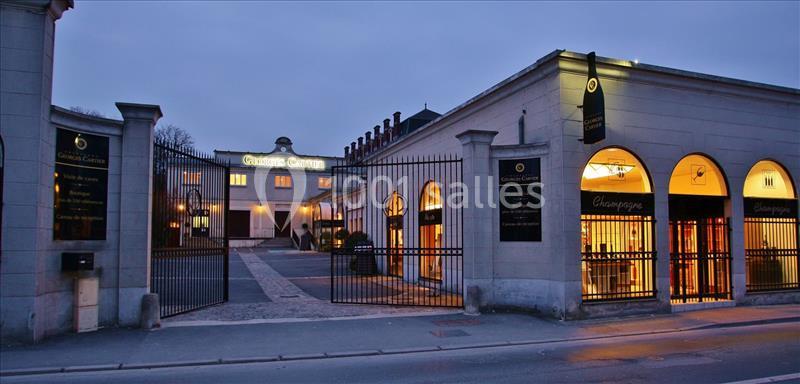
pixel 151 317
pixel 473 301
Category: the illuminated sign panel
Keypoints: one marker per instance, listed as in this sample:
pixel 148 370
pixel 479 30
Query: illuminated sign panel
pixel 290 162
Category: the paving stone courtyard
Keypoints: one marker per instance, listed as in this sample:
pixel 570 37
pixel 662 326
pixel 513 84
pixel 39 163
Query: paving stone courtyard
pixel 267 283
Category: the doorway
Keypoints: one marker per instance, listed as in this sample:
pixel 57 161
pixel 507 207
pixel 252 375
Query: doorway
pixel 699 249
pixel 283 225
pixel 394 236
pixel 431 235
pixel 700 257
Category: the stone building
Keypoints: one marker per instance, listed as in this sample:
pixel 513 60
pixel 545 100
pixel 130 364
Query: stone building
pixel 270 192
pixel 688 201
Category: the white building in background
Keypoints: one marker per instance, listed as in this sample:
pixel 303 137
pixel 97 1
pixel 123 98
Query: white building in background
pixel 270 192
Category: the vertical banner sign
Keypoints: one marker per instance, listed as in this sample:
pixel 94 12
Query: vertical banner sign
pixel 520 199
pixel 594 109
pixel 81 186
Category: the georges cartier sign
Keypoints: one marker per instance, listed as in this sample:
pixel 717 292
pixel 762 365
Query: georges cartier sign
pixel 291 162
pixel 611 203
pixel 520 220
pixel 594 110
pixel 81 186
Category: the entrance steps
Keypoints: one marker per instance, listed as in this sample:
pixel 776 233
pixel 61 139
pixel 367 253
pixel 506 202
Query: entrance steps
pixel 276 242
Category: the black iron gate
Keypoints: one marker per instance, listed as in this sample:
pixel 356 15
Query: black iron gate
pixel 189 263
pixel 700 259
pixel 399 235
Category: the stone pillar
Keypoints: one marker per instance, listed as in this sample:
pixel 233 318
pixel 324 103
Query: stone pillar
pixel 477 242
pixel 735 209
pixel 661 236
pixel 135 208
pixel 26 47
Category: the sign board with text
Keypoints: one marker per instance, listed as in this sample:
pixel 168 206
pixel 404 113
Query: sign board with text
pixel 521 214
pixel 613 203
pixel 81 186
pixel 770 208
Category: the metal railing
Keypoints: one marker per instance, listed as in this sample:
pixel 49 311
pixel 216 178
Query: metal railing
pixel 771 254
pixel 188 278
pixel 366 275
pixel 700 260
pixel 189 261
pixel 402 245
pixel 618 260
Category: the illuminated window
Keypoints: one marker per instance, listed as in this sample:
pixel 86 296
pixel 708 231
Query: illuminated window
pixel 199 221
pixel 615 170
pixel 430 231
pixel 770 228
pixel 324 182
pixel 191 178
pixel 697 175
pixel 394 211
pixel 238 180
pixel 767 179
pixel 617 245
pixel 700 258
pixel 283 181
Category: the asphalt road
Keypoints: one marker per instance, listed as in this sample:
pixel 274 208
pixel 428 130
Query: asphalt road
pixel 704 356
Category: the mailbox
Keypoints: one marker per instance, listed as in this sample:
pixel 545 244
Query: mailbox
pixel 77 261
pixel 364 258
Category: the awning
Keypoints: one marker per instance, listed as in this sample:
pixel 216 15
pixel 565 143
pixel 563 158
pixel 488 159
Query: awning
pixel 324 210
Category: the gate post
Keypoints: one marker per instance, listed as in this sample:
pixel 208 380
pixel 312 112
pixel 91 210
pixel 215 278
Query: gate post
pixel 135 209
pixel 478 249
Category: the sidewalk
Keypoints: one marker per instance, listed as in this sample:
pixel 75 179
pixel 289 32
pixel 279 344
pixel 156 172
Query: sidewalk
pixel 219 344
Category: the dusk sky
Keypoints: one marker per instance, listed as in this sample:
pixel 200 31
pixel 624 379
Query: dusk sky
pixel 237 75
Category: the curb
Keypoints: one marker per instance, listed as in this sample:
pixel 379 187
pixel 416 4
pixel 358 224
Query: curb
pixel 375 352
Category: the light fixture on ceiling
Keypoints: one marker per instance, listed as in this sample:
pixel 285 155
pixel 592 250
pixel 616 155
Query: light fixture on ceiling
pixel 599 170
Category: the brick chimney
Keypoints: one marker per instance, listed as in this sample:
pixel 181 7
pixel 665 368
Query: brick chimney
pixel 352 150
pixel 387 131
pixel 377 141
pixel 396 127
pixel 360 147
pixel 368 142
pixel 347 153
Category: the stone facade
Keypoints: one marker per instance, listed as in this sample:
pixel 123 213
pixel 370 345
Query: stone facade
pixel 658 114
pixel 246 197
pixel 36 297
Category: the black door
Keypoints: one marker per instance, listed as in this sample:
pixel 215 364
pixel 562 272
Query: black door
pixel 283 225
pixel 238 224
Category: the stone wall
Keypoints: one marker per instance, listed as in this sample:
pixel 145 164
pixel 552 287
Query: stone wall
pixel 662 117
pixel 660 114
pixel 36 297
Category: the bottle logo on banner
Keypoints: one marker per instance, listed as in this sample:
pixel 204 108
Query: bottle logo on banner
pixel 594 110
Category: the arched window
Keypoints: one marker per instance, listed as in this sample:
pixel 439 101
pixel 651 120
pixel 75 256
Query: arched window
pixel 700 258
pixel 615 170
pixel 430 231
pixel 616 227
pixel 769 180
pixel 697 175
pixel 394 210
pixel 770 228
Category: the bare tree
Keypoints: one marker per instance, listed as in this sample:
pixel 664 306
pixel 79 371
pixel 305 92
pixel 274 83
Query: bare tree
pixel 87 111
pixel 175 136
